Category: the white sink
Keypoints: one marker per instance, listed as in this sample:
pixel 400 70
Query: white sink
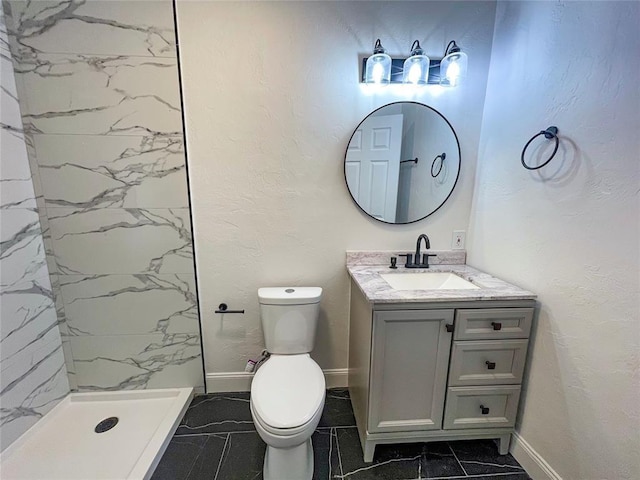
pixel 427 281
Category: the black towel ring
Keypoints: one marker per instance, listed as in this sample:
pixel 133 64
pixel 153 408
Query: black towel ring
pixel 549 133
pixel 442 156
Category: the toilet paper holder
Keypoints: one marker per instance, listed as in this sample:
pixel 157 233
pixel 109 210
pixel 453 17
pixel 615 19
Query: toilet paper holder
pixel 224 308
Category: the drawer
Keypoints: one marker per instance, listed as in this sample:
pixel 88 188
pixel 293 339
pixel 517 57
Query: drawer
pixel 490 323
pixel 481 407
pixel 487 362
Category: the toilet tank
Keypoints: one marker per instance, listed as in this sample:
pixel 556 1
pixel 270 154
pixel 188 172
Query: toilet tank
pixel 289 317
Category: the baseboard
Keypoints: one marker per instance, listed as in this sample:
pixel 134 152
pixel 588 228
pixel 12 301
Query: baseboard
pixel 241 381
pixel 536 466
pixel 336 377
pixel 229 382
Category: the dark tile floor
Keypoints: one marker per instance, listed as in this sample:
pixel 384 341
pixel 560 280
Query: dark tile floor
pixel 216 440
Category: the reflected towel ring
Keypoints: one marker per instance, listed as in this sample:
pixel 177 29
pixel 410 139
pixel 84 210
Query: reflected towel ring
pixel 442 156
pixel 549 133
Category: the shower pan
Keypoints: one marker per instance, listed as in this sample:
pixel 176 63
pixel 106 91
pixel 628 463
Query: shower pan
pixel 105 435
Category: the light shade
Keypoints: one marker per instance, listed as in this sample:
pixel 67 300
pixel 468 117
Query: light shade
pixel 453 67
pixel 415 69
pixel 378 69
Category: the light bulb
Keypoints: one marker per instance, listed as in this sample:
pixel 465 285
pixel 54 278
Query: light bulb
pixel 378 72
pixel 453 73
pixel 414 73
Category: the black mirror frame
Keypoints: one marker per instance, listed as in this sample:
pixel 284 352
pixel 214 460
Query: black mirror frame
pixel 452 187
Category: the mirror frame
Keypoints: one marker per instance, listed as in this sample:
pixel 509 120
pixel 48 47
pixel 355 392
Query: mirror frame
pixel 452 187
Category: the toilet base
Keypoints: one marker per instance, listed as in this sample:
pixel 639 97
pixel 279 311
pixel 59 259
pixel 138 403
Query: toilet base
pixel 295 463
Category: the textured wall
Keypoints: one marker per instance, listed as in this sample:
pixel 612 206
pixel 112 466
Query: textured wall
pixel 32 370
pixel 99 90
pixel 271 99
pixel 569 232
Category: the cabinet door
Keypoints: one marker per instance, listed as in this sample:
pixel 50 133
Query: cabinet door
pixel 409 362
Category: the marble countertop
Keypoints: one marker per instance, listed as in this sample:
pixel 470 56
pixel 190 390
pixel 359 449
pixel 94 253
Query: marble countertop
pixel 376 290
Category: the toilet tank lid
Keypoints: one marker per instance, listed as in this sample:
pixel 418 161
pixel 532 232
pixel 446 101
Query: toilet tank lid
pixel 289 295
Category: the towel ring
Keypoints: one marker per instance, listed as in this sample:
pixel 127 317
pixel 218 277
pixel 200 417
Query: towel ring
pixel 442 156
pixel 549 133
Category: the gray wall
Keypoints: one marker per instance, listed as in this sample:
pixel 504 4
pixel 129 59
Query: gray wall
pixel 98 84
pixel 32 372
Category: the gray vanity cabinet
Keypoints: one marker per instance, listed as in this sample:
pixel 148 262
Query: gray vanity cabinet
pixel 409 359
pixel 436 371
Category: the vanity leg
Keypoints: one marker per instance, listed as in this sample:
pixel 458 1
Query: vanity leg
pixel 503 446
pixel 369 449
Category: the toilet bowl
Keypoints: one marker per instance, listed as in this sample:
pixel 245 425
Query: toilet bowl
pixel 287 398
pixel 288 391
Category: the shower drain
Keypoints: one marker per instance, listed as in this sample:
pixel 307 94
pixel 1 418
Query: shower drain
pixel 106 424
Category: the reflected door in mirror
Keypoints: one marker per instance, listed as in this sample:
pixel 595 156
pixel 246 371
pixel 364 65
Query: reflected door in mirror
pixel 373 166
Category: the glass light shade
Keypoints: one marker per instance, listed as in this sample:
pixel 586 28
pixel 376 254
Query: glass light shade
pixel 378 69
pixel 416 70
pixel 453 69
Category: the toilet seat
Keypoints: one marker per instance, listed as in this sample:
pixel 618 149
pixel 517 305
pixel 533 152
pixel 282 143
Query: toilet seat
pixel 287 393
pixel 305 429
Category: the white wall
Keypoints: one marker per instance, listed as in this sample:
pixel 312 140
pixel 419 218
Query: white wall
pixel 569 232
pixel 272 97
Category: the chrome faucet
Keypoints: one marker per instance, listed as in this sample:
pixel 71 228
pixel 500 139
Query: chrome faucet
pixel 411 263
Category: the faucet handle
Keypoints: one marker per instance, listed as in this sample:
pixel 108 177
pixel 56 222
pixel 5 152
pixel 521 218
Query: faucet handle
pixel 425 258
pixel 409 258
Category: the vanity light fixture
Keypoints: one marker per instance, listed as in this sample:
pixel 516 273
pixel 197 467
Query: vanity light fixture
pixel 378 68
pixel 417 69
pixel 453 67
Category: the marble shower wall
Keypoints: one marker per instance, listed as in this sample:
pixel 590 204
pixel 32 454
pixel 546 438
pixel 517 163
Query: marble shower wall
pixel 98 84
pixel 32 370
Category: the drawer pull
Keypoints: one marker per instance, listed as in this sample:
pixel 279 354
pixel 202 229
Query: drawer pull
pixel 491 365
pixel 496 325
pixel 484 410
pixel 449 327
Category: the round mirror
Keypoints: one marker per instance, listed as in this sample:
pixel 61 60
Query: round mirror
pixel 402 162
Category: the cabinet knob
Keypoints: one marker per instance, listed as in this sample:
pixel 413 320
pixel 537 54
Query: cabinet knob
pixel 496 325
pixel 490 365
pixel 449 327
pixel 484 410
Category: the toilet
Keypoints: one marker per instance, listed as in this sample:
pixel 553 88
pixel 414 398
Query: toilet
pixel 288 390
